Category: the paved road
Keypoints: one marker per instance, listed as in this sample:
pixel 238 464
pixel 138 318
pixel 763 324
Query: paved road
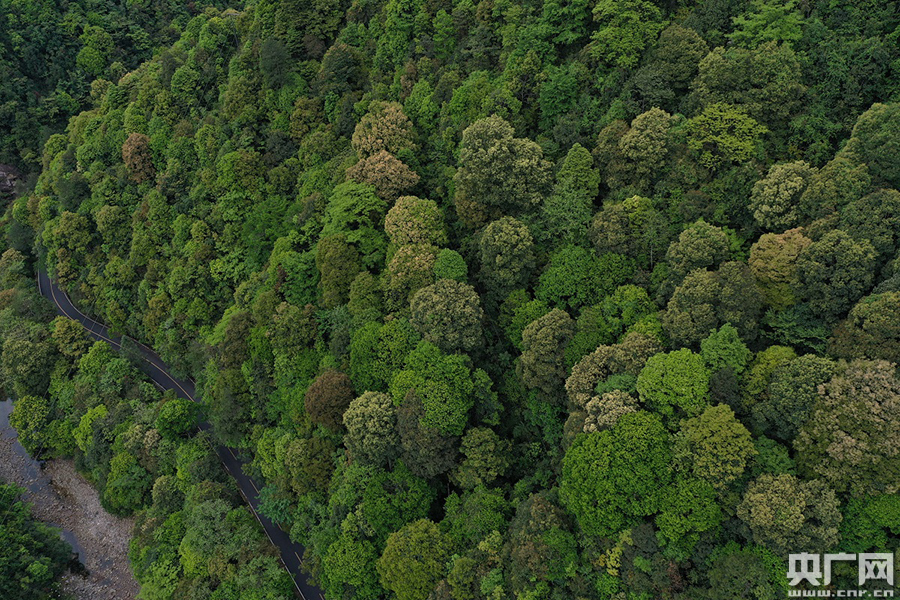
pixel 157 370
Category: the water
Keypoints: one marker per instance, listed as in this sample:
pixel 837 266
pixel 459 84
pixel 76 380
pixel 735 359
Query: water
pixel 31 475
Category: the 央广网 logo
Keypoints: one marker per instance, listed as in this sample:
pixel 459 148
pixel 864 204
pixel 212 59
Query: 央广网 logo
pixel 815 569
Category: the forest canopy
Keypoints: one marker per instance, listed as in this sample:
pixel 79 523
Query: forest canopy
pixel 503 300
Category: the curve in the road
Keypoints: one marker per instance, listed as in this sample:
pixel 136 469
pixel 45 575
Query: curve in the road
pixel 290 552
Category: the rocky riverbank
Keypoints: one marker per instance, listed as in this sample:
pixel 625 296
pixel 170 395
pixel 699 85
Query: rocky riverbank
pixel 62 497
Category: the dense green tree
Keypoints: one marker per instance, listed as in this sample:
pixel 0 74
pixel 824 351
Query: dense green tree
pixel 356 212
pixel 70 337
pixel 566 213
pixel 629 308
pixel 26 362
pixel 874 142
pixel 876 218
pixel 688 510
pixel 773 261
pixel 12 268
pixel 517 312
pixel 699 246
pixel 867 521
pixel 576 277
pixel 764 83
pixel 838 183
pixel 626 29
pixel 393 499
pixel 791 396
pixel 33 555
pixel 706 300
pixel 735 570
pixel 612 478
pixel 498 173
pixel 424 449
pixel 507 258
pixel 292 334
pixel 473 516
pixel 365 303
pixel 30 417
pixel 846 440
pixel 775 199
pixel 677 381
pixel 724 134
pixel 309 463
pixel 640 153
pixel 542 364
pixel 784 513
pixel 349 568
pixel 377 351
pixel 127 486
pixel 306 27
pixel 677 55
pixel 767 22
pixel 341 72
pixel 589 333
pixel 413 560
pixel 723 349
pixel 177 416
pixel 445 385
pixel 371 422
pixel 486 458
pixel 870 330
pixel 338 263
pixel 235 203
pixel 760 371
pixel 450 264
pixel 274 63
pixel 714 447
pixel 328 397
pixel 448 314
pixel 633 228
pixel 833 273
pixel 410 269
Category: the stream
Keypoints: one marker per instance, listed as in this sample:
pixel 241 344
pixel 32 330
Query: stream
pixel 61 497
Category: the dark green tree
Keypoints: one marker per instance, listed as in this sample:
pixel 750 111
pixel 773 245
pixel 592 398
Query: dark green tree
pixel 871 330
pixel 507 258
pixel 706 300
pixel 792 393
pixel 543 363
pixel 328 397
pixel 833 273
pixel 874 142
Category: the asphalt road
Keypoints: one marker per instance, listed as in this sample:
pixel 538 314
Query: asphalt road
pixel 291 552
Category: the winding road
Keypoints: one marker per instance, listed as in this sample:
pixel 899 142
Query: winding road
pixel 291 552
